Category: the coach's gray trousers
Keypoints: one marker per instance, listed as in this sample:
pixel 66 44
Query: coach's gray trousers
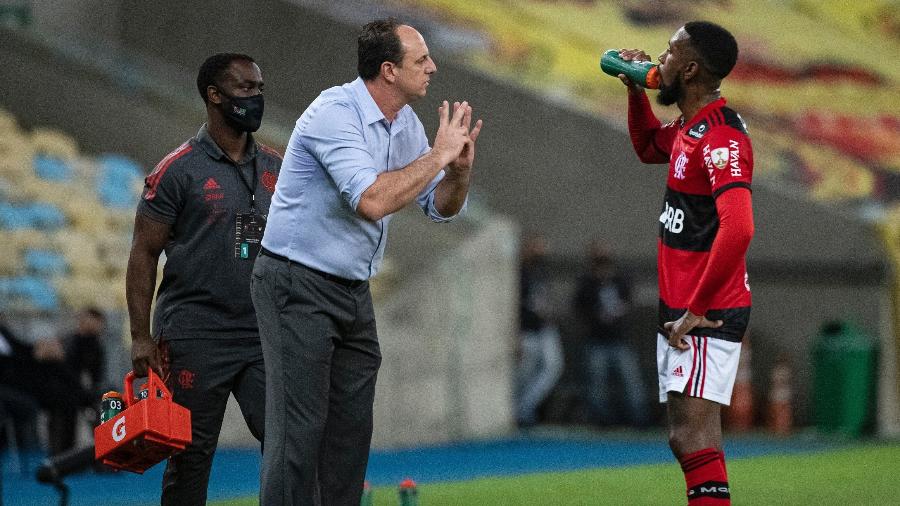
pixel 321 356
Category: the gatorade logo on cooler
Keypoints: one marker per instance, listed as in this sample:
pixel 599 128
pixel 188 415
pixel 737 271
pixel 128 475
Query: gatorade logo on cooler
pixel 118 430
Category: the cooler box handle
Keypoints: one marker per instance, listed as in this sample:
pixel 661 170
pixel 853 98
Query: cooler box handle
pixel 154 383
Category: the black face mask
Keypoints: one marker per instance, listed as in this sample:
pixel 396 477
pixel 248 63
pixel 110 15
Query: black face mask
pixel 244 114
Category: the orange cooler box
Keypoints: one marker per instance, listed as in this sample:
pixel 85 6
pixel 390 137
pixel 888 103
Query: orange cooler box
pixel 146 432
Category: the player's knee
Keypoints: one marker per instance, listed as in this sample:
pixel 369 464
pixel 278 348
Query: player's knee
pixel 676 441
pixel 687 439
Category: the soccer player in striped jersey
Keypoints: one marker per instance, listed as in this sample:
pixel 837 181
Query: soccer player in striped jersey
pixel 704 231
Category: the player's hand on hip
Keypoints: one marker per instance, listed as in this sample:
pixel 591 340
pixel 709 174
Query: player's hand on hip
pixel 466 158
pixel 688 321
pixel 632 55
pixel 453 133
pixel 145 355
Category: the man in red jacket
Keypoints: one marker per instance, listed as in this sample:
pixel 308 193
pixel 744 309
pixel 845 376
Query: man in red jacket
pixel 705 229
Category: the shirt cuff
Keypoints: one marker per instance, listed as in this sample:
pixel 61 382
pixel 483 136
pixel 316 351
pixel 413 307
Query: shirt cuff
pixel 436 216
pixel 145 210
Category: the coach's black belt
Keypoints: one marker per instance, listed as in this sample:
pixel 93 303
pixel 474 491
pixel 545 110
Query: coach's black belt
pixel 352 283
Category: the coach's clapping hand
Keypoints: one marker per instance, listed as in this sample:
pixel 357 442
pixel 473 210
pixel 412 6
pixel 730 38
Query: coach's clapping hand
pixel 463 163
pixel 453 132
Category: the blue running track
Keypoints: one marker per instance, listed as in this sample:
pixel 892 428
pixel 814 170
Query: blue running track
pixel 236 471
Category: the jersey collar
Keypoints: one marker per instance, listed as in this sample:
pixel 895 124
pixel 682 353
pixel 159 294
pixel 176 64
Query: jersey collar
pixel 702 113
pixel 205 141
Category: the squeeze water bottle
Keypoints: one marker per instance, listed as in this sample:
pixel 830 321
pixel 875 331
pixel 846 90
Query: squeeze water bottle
pixel 409 495
pixel 642 73
pixel 111 404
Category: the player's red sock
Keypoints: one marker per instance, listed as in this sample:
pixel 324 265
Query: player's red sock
pixel 707 482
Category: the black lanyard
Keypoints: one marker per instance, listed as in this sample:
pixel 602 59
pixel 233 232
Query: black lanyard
pixel 251 189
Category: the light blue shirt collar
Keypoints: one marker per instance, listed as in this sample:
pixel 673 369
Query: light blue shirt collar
pixel 371 113
pixel 370 110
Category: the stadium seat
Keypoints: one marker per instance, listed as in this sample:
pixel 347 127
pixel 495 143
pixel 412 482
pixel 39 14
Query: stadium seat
pixel 17 242
pixel 44 263
pixel 54 143
pixel 51 168
pixel 81 253
pixel 27 292
pixel 7 121
pixel 119 181
pixel 113 251
pixel 11 263
pixel 34 215
pixel 80 291
pixel 46 216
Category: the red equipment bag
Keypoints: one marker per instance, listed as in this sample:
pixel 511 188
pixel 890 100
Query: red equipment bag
pixel 146 432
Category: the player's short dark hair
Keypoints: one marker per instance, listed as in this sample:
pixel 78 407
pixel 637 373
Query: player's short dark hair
pixel 377 43
pixel 715 46
pixel 213 70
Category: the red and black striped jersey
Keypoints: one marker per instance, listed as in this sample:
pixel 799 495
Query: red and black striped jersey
pixel 704 228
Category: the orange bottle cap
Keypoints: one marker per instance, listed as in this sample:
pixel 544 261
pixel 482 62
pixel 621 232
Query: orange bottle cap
pixel 653 78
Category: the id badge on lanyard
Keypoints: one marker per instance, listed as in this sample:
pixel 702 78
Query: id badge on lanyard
pixel 249 229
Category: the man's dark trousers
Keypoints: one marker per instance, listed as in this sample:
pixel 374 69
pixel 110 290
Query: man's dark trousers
pixel 202 374
pixel 322 357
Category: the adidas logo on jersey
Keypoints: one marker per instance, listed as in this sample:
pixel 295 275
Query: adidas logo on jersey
pixel 211 184
pixel 678 371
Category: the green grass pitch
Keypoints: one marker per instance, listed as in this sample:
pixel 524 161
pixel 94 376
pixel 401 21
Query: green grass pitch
pixel 867 475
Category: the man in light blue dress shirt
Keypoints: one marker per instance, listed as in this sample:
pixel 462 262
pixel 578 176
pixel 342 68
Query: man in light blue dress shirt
pixel 357 155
